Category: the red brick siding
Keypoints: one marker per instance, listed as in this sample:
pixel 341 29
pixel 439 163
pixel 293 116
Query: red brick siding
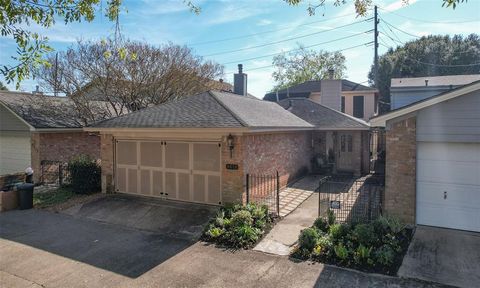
pixel 233 186
pixel 287 153
pixel 400 170
pixel 62 147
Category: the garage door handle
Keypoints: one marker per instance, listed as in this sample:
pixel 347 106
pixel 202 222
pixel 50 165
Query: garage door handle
pixel 444 194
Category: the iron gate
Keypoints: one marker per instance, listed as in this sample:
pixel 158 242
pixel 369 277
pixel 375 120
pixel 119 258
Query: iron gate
pixel 351 200
pixel 264 190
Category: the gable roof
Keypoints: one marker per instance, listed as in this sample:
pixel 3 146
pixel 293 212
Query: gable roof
pixel 381 120
pixel 212 109
pixel 304 89
pixel 454 80
pixel 48 112
pixel 322 117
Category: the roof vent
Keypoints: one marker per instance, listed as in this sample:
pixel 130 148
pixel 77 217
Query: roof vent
pixel 426 82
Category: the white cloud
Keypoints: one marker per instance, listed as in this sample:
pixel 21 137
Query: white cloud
pixel 264 22
pixel 397 5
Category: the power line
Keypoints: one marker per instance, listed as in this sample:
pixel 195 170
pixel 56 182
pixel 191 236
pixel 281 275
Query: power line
pixel 445 65
pixel 340 50
pixel 285 40
pixel 416 36
pixel 426 21
pixel 293 50
pixel 266 32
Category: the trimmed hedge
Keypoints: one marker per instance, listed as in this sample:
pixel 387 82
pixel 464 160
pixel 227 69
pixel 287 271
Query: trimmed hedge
pixel 84 174
pixel 378 246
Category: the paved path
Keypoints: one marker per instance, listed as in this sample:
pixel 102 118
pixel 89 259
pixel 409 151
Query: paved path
pixel 294 195
pixel 445 256
pixel 284 235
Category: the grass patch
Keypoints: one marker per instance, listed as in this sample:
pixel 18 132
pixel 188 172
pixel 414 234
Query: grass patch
pixel 52 198
pixel 238 226
pixel 378 246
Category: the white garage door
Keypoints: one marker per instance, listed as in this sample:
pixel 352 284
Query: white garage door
pixel 14 152
pixel 448 185
pixel 169 169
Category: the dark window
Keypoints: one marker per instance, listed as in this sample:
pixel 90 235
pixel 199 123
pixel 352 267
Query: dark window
pixel 343 104
pixel 358 106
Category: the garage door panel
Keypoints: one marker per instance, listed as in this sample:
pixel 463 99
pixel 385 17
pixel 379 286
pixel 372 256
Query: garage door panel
pixel 157 183
pixel 199 188
pixel 453 168
pixel 132 175
pixel 206 157
pixel 122 179
pixel 171 184
pixel 127 152
pixel 151 154
pixel 177 155
pixel 184 187
pixel 145 184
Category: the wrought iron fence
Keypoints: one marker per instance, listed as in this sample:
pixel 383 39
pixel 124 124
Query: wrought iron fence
pixel 54 172
pixel 264 190
pixel 351 200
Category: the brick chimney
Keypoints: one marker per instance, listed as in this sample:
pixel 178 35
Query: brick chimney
pixel 331 91
pixel 240 82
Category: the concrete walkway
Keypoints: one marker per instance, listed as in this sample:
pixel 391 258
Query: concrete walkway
pixel 285 233
pixel 294 195
pixel 446 256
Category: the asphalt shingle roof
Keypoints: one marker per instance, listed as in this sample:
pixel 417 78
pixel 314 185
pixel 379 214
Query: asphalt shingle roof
pixel 212 109
pixel 321 116
pixel 304 89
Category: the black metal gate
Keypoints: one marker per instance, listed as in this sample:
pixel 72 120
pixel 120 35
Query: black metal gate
pixel 264 190
pixel 54 172
pixel 351 200
pixel 377 151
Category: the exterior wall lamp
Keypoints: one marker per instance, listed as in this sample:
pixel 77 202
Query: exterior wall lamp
pixel 230 144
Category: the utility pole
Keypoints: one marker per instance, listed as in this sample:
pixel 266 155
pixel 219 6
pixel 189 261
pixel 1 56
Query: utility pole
pixel 375 58
pixel 55 83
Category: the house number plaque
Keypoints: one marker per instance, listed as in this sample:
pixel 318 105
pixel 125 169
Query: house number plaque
pixel 232 166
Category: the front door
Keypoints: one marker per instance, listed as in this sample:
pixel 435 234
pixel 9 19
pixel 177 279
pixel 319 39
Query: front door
pixel 345 154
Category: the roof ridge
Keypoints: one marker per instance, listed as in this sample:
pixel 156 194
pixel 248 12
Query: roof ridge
pixel 341 113
pixel 212 93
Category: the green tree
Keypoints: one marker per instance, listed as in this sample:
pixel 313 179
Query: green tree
pixel 3 87
pixel 361 6
pixel 17 16
pixel 304 65
pixel 427 56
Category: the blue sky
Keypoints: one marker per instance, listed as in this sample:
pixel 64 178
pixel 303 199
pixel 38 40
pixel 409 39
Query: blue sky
pixel 161 21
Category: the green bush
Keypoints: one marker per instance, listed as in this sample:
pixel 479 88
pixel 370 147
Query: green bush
pixel 323 247
pixel 364 234
pixel 84 175
pixel 385 255
pixel 321 224
pixel 341 252
pixel 331 217
pixel 338 232
pixel 238 226
pixel 363 255
pixel 308 239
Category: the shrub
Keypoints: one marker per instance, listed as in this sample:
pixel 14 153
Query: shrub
pixel 364 234
pixel 331 217
pixel 321 224
pixel 338 232
pixel 241 218
pixel 341 252
pixel 84 175
pixel 323 246
pixel 214 232
pixel 362 255
pixel 308 239
pixel 385 255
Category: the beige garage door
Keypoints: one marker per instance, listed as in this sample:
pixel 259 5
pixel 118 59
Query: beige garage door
pixel 186 171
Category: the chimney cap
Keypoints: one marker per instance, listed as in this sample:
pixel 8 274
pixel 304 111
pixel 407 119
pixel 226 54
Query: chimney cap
pixel 240 68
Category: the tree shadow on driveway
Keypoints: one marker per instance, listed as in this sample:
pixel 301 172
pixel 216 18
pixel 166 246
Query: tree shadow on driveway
pixel 120 249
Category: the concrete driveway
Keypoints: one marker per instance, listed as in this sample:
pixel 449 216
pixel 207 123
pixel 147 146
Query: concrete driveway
pixel 45 249
pixel 447 256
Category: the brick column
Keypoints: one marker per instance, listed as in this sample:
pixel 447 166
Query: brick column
pixel 400 170
pixel 35 156
pixel 233 180
pixel 106 156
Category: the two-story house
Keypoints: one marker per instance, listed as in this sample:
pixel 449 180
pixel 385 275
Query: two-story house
pixel 354 99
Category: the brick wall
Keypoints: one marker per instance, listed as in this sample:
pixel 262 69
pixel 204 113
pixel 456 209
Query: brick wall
pixel 288 153
pixel 233 180
pixel 62 147
pixel 106 154
pixel 400 170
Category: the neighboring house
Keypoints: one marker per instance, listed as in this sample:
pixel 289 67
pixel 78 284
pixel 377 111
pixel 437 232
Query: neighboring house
pixel 433 160
pixel 200 148
pixel 353 99
pixel 336 135
pixel 34 129
pixel 404 91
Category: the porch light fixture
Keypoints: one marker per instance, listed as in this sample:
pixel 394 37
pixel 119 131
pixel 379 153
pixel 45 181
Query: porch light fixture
pixel 230 144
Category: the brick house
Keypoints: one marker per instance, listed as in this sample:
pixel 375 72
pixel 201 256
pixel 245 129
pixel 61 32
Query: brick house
pixel 432 174
pixel 200 148
pixel 31 132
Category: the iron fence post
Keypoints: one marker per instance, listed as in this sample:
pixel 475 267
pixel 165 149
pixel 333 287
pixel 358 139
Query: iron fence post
pixel 248 186
pixel 278 194
pixel 60 174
